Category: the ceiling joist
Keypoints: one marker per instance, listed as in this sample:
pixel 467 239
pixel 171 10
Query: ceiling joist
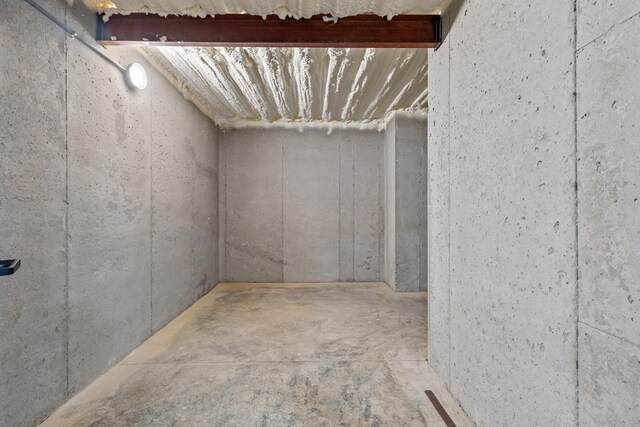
pixel 403 31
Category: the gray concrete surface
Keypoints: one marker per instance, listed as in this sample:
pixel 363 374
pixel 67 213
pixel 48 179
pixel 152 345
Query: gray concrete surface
pixel 411 204
pixel 389 173
pixel 293 322
pixel 205 208
pixel 303 207
pixel 512 208
pixel 33 328
pixel 609 372
pixel 184 202
pixel 438 153
pixel 109 218
pixel 368 189
pixel 346 251
pixel 93 203
pixel 311 208
pixel 132 252
pixel 78 151
pixel 276 355
pixel 596 18
pixel 405 173
pixel 608 63
pixel 251 206
pixel 519 117
pixel 173 197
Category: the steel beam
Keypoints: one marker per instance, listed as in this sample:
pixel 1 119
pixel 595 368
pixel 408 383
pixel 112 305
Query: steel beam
pixel 414 31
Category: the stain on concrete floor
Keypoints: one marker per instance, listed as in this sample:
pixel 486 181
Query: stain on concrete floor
pixel 275 355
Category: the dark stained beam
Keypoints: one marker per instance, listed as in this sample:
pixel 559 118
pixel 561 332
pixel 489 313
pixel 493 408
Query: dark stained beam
pixel 415 31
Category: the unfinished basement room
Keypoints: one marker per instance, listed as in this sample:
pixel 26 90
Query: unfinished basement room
pixel 319 213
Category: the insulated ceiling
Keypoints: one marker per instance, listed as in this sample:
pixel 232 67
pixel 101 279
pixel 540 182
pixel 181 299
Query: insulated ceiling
pixel 282 8
pixel 239 87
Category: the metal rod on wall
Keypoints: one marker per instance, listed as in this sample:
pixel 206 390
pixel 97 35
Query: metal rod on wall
pixel 135 74
pixel 72 33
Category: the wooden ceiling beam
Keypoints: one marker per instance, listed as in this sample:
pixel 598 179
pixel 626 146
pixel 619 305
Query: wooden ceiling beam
pixel 412 31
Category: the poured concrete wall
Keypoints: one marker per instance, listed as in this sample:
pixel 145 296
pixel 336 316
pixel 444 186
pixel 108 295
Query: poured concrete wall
pixel 534 230
pixel 608 65
pixel 33 210
pixel 389 167
pixel 438 153
pixel 405 187
pixel 115 239
pixel 184 200
pixel 301 206
pixel 503 287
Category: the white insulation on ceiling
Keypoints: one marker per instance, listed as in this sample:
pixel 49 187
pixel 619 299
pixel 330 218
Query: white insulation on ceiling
pixel 282 8
pixel 238 87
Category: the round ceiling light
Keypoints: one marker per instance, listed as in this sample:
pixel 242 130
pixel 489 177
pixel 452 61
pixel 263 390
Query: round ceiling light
pixel 136 76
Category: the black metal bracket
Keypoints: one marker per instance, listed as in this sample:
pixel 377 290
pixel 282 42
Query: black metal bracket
pixel 9 267
pixel 439 34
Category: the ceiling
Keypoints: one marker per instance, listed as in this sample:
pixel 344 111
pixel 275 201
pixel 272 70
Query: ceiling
pixel 239 87
pixel 282 8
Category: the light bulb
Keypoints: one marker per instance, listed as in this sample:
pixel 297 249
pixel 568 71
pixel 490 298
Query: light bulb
pixel 136 76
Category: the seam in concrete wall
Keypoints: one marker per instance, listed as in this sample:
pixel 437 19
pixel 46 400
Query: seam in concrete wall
pixel 151 153
pixel 340 272
pixel 423 277
pixel 577 201
pixel 381 224
pixel 381 215
pixel 222 206
pixel 353 209
pixel 194 166
pixel 282 154
pixel 606 332
pixel 449 36
pixel 606 32
pixel 66 197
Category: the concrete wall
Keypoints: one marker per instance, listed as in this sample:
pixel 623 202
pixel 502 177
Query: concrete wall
pixel 438 230
pixel 115 239
pixel 184 198
pixel 33 210
pixel 608 111
pixel 301 206
pixel 503 286
pixel 405 165
pixel 520 171
pixel 389 166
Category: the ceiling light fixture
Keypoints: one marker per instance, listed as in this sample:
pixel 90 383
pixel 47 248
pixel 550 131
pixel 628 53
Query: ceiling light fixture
pixel 134 74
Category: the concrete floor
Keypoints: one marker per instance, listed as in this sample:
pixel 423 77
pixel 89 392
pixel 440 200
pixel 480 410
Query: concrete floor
pixel 274 354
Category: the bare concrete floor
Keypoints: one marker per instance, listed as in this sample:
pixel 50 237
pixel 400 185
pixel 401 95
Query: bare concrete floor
pixel 276 355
